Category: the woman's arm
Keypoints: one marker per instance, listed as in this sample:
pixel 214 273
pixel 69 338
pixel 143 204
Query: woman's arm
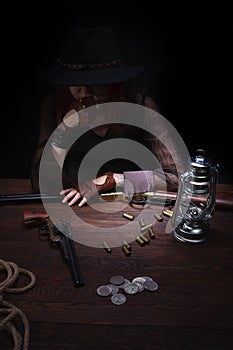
pixel 169 158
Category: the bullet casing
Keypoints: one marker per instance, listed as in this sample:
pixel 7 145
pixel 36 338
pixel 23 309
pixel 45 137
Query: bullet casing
pixel 146 228
pixel 141 223
pixel 127 245
pixel 168 213
pixel 128 216
pixel 145 239
pixel 151 233
pixel 158 217
pixel 140 241
pixel 106 247
pixel 125 250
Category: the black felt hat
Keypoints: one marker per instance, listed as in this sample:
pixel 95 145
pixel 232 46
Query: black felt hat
pixel 90 57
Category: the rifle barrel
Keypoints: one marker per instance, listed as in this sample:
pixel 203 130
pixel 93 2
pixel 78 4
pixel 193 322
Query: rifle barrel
pixel 12 198
pixel 72 258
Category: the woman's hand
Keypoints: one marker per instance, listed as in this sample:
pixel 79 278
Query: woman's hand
pixel 88 189
pixel 72 196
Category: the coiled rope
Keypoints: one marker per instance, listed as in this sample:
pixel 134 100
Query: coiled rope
pixel 10 312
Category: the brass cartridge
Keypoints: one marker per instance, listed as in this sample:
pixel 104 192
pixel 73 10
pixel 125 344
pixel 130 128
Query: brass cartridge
pixel 168 213
pixel 140 241
pixel 128 216
pixel 106 247
pixel 146 228
pixel 158 217
pixel 151 233
pixel 145 239
pixel 125 250
pixel 141 223
pixel 127 245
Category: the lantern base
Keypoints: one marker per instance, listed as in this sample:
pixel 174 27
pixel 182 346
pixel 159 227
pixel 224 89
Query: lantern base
pixel 192 232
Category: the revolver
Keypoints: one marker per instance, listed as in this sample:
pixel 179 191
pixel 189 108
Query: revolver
pixel 57 237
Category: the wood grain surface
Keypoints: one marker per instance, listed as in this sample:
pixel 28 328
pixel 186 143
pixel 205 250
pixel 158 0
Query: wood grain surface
pixel 192 309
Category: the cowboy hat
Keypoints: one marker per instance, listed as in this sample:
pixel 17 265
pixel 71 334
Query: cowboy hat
pixel 90 57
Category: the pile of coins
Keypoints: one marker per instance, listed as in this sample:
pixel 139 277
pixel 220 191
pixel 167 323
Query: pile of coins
pixel 119 284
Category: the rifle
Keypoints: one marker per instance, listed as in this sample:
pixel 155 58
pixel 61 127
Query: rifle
pixel 223 200
pixel 57 237
pixel 115 196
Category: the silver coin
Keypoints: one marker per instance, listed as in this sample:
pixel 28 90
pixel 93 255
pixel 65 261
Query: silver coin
pixel 139 279
pixel 151 285
pixel 148 278
pixel 131 288
pixel 117 280
pixel 114 288
pixel 118 299
pixel 104 291
pixel 140 286
pixel 122 286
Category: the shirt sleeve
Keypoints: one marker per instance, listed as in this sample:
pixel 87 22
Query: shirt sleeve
pixel 146 181
pixel 138 181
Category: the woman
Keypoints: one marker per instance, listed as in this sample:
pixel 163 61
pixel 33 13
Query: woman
pixel 90 73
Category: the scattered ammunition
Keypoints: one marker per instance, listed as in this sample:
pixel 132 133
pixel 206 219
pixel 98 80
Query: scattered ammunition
pixel 141 223
pixel 127 245
pixel 140 241
pixel 125 250
pixel 107 248
pixel 145 239
pixel 168 213
pixel 146 228
pixel 151 233
pixel 128 216
pixel 158 217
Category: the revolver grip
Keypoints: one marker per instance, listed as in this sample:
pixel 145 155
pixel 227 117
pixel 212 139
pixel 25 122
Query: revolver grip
pixel 34 218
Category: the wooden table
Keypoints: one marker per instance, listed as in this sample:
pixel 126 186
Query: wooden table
pixel 192 309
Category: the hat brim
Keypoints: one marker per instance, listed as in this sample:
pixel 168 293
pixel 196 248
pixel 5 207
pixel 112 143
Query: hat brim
pixel 113 75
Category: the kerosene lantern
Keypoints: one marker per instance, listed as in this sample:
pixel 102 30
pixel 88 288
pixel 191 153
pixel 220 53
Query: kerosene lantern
pixel 195 203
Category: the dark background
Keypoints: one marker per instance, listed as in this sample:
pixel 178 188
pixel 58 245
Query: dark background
pixel 185 50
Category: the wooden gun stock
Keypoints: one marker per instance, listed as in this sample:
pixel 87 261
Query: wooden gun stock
pixel 224 200
pixel 34 218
